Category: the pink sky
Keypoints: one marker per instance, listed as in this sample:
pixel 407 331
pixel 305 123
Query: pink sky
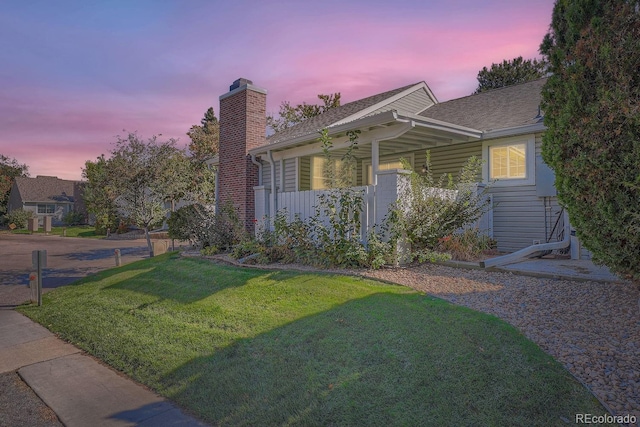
pixel 76 74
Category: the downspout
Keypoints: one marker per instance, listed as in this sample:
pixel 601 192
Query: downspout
pixel 523 253
pixel 272 196
pixel 259 164
pixel 216 193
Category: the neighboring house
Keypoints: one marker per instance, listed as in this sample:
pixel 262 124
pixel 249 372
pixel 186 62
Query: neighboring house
pixel 47 196
pixel 504 127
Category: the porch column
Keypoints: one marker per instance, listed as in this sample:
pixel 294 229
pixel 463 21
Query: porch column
pixel 390 187
pixel 375 160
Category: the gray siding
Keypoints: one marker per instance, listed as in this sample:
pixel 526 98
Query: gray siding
pixel 266 174
pixel 290 175
pixel 414 102
pixel 519 214
pixel 450 159
pixel 305 173
pixel 519 217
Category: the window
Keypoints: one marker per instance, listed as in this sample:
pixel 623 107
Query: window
pixel 509 161
pixel 318 180
pixel 383 166
pixel 386 163
pixel 46 209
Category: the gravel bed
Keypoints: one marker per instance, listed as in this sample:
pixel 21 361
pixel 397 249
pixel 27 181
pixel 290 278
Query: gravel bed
pixel 592 328
pixel 19 405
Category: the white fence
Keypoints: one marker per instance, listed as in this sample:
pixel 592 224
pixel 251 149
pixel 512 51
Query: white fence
pixel 303 204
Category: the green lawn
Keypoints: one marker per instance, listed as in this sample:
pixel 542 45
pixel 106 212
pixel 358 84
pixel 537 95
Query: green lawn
pixel 74 231
pixel 254 347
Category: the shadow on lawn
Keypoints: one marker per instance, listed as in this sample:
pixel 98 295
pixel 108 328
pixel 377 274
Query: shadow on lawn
pixel 385 359
pixel 184 281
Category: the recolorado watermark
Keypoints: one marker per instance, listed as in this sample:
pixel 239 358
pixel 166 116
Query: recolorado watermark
pixel 605 419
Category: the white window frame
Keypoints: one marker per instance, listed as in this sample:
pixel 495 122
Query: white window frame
pixel 46 207
pixel 386 159
pixel 530 161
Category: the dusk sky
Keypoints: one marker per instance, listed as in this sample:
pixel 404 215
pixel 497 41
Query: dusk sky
pixel 74 74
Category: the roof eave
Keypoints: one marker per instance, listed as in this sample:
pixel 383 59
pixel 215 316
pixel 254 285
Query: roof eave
pixel 440 125
pixel 515 130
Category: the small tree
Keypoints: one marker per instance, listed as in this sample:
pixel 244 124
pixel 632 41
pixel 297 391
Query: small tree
pixel 512 72
pixel 289 116
pixel 592 112
pixel 10 169
pixel 143 176
pixel 99 195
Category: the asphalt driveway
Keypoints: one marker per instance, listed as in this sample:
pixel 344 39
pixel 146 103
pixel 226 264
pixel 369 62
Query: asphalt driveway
pixel 68 259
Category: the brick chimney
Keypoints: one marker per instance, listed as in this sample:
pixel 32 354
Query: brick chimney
pixel 243 123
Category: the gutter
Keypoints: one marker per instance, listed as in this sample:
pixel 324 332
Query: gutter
pixel 528 251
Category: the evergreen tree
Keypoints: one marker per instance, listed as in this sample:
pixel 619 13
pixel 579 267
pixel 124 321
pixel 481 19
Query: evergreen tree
pixel 592 112
pixel 509 73
pixel 205 138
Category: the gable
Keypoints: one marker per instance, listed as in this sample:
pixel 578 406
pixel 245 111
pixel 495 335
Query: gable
pixel 408 96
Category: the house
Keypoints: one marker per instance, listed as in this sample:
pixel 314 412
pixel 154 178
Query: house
pixel 503 127
pixel 46 196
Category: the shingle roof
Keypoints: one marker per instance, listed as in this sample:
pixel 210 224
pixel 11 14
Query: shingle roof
pixel 502 108
pixel 312 125
pixel 46 189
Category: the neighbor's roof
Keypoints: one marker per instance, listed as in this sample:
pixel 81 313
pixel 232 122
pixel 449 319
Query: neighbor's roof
pixel 507 107
pixel 334 115
pixel 46 189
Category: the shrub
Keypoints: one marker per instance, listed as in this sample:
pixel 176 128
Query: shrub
pixel 73 218
pixel 429 210
pixel 245 248
pixel 466 245
pixel 199 225
pixel 19 217
pixel 209 250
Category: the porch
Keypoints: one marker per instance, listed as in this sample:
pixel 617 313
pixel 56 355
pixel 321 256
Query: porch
pixel 377 199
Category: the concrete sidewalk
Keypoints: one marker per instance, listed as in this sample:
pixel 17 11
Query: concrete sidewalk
pixel 79 389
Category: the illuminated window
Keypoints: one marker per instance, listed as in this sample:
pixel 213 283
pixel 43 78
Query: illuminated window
pixel 318 179
pixel 383 166
pixel 508 161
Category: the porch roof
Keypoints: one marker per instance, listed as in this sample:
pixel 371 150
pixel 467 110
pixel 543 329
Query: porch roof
pixel 408 132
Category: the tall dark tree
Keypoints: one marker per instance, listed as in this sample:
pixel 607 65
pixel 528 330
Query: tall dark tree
pixel 99 194
pixel 205 138
pixel 592 112
pixel 508 73
pixel 289 115
pixel 10 169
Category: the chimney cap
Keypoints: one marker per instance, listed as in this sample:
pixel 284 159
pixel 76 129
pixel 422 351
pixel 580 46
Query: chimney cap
pixel 240 82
